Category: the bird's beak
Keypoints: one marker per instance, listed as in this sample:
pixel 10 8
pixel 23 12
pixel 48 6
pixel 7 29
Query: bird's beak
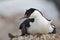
pixel 24 17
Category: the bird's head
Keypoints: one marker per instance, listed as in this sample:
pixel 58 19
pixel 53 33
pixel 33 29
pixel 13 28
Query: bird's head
pixel 32 13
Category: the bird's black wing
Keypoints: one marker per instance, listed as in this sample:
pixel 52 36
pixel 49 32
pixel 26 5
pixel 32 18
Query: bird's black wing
pixel 24 26
pixel 26 23
pixel 23 29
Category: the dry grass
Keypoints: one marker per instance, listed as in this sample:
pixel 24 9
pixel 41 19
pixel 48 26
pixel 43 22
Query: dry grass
pixel 39 37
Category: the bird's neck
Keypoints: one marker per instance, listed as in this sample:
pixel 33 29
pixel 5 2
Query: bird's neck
pixel 37 15
pixel 40 18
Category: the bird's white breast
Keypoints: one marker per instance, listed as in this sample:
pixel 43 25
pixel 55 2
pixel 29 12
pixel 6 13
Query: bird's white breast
pixel 40 25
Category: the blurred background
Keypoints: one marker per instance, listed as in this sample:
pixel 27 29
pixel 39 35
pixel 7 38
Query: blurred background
pixel 12 10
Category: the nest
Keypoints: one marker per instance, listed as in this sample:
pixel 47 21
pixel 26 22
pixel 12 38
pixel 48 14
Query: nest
pixel 38 37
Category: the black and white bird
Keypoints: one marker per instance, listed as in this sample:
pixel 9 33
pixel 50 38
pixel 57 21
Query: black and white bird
pixel 36 23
